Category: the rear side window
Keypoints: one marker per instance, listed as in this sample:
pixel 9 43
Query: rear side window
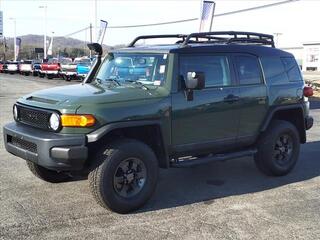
pixel 215 69
pixel 274 70
pixel 292 69
pixel 248 70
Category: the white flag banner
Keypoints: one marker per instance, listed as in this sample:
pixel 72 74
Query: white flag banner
pixel 49 53
pixel 102 31
pixel 206 17
pixel 18 45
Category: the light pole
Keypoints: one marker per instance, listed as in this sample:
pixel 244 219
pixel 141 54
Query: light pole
pixel 14 38
pixel 95 19
pixel 45 31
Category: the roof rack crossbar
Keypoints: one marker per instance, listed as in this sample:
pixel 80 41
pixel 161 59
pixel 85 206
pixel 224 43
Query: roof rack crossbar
pixel 181 36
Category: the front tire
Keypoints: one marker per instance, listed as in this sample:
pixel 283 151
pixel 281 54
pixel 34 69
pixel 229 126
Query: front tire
pixel 46 174
pixel 278 149
pixel 125 175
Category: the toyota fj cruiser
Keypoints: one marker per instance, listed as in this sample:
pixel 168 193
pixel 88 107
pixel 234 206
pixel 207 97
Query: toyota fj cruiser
pixel 206 97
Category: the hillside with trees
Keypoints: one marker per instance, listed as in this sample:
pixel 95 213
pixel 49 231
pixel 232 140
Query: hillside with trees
pixel 62 46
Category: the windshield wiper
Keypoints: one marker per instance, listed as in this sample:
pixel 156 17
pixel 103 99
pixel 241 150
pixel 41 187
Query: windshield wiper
pixel 138 83
pixel 99 80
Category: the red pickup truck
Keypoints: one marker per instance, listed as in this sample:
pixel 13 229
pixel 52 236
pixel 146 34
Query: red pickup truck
pixel 50 69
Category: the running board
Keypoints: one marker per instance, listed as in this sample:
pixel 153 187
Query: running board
pixel 181 163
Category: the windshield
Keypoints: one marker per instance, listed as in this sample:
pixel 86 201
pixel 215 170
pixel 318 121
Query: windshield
pixel 65 61
pixel 133 67
pixel 84 62
pixel 52 61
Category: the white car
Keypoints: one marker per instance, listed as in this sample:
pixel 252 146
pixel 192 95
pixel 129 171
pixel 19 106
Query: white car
pixel 25 67
pixel 12 67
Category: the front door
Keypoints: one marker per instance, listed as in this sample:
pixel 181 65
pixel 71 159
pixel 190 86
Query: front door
pixel 210 121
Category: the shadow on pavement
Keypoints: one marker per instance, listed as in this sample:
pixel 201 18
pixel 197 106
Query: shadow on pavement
pixel 315 104
pixel 178 187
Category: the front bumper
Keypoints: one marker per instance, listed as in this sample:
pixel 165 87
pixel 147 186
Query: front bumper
pixel 69 73
pixel 82 74
pixel 62 152
pixel 12 70
pixel 50 72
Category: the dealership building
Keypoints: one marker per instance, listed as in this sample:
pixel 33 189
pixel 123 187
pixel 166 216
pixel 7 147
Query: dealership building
pixel 307 55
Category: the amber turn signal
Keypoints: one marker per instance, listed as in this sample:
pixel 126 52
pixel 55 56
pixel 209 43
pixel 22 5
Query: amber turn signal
pixel 75 120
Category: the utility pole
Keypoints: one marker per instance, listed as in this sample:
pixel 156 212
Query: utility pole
pixel 95 19
pixel 90 53
pixel 14 38
pixel 45 31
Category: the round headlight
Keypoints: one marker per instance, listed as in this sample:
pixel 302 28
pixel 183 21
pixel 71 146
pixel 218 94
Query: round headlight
pixel 15 112
pixel 54 121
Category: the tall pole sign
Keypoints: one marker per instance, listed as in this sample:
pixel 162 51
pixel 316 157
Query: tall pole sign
pixel 1 24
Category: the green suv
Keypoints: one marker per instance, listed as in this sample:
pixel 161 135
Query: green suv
pixel 207 97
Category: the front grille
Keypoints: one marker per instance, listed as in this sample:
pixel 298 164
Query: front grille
pixel 33 117
pixel 23 144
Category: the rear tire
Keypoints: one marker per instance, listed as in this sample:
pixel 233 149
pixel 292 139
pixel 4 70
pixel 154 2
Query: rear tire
pixel 46 174
pixel 278 149
pixel 125 175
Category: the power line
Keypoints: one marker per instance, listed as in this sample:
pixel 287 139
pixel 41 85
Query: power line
pixel 155 24
pixel 79 31
pixel 193 19
pixel 256 8
pixel 216 15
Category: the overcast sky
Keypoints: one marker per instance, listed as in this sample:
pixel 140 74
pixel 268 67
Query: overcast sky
pixel 298 21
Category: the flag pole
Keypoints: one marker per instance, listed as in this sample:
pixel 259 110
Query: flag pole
pixel 213 10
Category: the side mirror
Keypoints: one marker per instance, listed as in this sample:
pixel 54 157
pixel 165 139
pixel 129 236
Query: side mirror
pixel 195 80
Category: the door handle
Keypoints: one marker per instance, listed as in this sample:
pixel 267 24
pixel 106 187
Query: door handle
pixel 231 98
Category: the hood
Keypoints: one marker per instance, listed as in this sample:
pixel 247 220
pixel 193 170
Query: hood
pixel 74 96
pixel 48 66
pixel 83 69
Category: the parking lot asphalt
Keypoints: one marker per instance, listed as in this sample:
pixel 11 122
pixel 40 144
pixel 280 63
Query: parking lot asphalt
pixel 223 200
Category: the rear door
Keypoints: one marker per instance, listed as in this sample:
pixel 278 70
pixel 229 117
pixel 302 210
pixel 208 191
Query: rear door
pixel 210 120
pixel 253 102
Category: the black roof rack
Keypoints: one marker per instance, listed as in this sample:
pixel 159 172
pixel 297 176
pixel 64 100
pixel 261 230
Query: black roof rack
pixel 181 36
pixel 226 37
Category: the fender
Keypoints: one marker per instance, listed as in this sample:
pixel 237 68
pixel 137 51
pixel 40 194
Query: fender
pixel 104 130
pixel 301 124
pixel 275 109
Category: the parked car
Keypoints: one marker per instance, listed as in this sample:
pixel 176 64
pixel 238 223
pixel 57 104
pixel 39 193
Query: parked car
pixel 83 67
pixel 25 67
pixel 1 66
pixel 36 67
pixel 207 97
pixel 5 67
pixel 12 67
pixel 50 69
pixel 68 69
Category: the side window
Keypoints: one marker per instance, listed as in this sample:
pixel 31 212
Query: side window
pixel 292 69
pixel 274 70
pixel 248 70
pixel 215 68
